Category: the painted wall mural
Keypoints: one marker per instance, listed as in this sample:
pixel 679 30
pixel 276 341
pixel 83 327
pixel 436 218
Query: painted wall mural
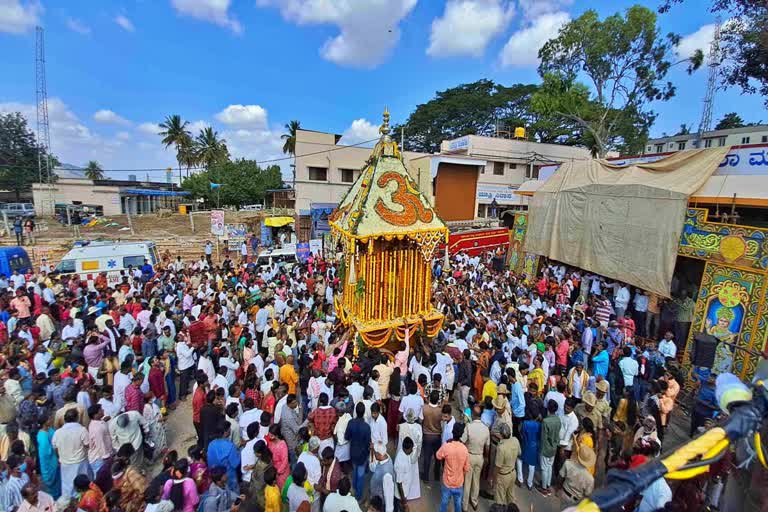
pixel 730 307
pixel 741 246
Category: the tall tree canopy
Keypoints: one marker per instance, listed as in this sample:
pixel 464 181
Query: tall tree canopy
pixel 289 146
pixel 18 154
pixel 477 108
pixel 625 60
pixel 743 42
pixel 241 182
pixel 730 120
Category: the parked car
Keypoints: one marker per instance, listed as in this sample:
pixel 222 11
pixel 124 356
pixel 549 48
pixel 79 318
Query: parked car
pixel 18 209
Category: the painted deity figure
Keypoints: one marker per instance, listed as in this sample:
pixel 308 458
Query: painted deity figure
pixel 722 331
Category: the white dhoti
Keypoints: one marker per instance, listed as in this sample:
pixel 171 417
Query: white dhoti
pixel 68 474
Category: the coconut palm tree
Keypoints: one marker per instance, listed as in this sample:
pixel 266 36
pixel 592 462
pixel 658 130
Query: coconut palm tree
pixel 93 171
pixel 289 146
pixel 210 149
pixel 187 154
pixel 174 133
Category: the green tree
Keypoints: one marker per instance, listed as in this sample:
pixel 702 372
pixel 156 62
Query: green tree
pixel 289 146
pixel 19 155
pixel 174 133
pixel 480 108
pixel 743 42
pixel 209 148
pixel 93 171
pixel 625 60
pixel 684 129
pixel 730 120
pixel 242 182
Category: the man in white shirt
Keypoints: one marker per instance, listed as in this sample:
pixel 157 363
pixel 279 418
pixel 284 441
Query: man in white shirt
pixel 121 382
pixel 220 381
pixel 250 415
pixel 667 346
pixel 342 499
pixel 382 469
pixel 629 367
pixel 378 425
pixel 185 353
pixel 247 454
pixel 569 423
pixel 71 445
pixel 312 461
pixel 69 333
pixel 558 396
pixel 621 300
pixel 413 401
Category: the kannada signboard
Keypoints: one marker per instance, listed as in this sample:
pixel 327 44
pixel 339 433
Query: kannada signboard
pixel 217 222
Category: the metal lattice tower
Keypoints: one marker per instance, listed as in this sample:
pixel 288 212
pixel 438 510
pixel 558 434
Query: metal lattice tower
pixel 44 161
pixel 709 97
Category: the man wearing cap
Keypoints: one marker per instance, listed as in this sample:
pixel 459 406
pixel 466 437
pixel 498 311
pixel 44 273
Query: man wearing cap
pixel 312 463
pixel 586 409
pixel 578 483
pixel 507 453
pixel 383 479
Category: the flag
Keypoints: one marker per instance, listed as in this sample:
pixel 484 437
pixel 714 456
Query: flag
pixel 214 186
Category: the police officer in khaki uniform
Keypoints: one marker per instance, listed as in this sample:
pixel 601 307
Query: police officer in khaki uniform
pixel 587 409
pixel 577 481
pixel 477 439
pixel 507 453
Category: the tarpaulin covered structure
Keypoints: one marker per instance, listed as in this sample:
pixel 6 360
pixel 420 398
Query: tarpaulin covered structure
pixel 623 222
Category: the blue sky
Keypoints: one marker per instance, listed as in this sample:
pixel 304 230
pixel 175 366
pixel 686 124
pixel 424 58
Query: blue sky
pixel 246 67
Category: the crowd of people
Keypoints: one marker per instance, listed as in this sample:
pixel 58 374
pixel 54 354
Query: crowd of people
pixel 534 384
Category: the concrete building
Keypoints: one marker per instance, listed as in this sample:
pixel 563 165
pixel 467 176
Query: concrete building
pixel 472 177
pixel 116 197
pixel 325 169
pixel 504 164
pixel 716 138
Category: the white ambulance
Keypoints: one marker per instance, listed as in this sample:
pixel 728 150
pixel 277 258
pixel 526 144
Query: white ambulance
pixel 114 258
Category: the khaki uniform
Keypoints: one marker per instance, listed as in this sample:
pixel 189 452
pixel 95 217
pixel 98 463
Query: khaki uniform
pixel 506 455
pixel 595 416
pixel 604 409
pixel 477 438
pixel 577 482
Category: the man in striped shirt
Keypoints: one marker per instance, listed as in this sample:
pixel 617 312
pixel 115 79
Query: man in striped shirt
pixel 603 310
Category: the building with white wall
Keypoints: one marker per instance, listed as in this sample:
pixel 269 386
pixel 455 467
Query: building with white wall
pixel 508 163
pixel 745 135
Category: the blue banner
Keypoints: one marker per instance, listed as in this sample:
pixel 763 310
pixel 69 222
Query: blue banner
pixel 302 251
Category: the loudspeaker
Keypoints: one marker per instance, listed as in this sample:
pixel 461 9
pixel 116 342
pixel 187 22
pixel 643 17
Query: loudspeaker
pixel 703 353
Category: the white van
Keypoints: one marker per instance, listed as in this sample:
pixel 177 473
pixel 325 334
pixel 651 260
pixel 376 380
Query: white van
pixel 114 258
pixel 286 256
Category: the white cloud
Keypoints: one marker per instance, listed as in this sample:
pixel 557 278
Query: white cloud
pixel 243 116
pixel 467 26
pixel 360 130
pixel 532 9
pixel 369 29
pixel 75 25
pixel 123 136
pixel 109 117
pixel 523 46
pixel 699 40
pixel 149 128
pixel 125 23
pixel 214 11
pixel 17 16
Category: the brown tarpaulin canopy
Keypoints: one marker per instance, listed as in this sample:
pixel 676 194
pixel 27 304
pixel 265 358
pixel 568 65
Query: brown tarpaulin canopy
pixel 623 222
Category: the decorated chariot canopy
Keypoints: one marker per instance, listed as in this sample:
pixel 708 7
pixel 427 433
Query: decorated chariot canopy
pixel 389 232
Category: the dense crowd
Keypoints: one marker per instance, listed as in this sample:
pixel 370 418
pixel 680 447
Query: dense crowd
pixel 534 384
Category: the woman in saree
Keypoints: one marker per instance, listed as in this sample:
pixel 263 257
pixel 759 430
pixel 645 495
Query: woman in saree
pixel 483 363
pixel 155 426
pixel 49 462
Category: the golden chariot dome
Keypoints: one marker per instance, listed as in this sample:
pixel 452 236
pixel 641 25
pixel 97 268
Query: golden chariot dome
pixel 389 233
